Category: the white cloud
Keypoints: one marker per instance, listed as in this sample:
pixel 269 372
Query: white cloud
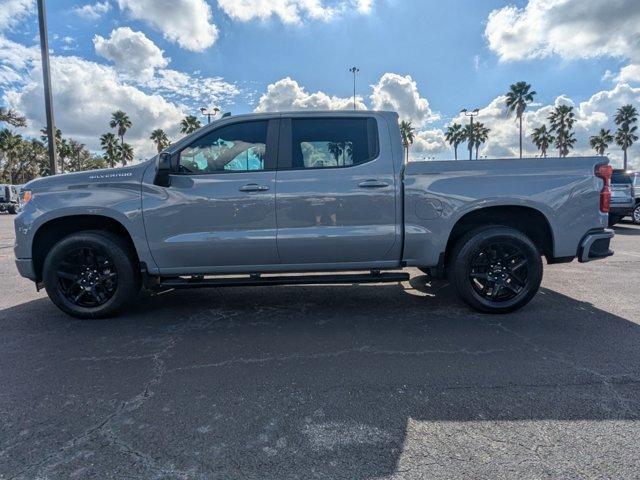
pixel 186 22
pixel 630 73
pixel 193 89
pixel 400 93
pixel 93 11
pixel 14 11
pixel 291 11
pixel 569 28
pixel 131 52
pixel 15 61
pixel 286 94
pixel 85 94
pixel 427 143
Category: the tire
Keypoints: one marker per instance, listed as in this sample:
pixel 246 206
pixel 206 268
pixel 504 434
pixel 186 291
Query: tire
pixel 635 215
pixel 98 268
pixel 495 269
pixel 12 209
pixel 613 219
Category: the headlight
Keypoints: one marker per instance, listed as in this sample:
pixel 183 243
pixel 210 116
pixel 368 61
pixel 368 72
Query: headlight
pixel 25 196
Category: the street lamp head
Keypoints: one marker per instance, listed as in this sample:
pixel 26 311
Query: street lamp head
pixel 476 110
pixel 202 110
pixel 216 109
pixel 464 110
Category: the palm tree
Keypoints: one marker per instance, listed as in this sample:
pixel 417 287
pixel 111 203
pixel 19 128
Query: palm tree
pixel 189 124
pixel 562 119
pixel 64 152
pixel 121 121
pixel 10 147
pixel 475 134
pixel 337 150
pixel 159 137
pixel 109 144
pixel 125 153
pixel 543 139
pixel 480 135
pixel 601 141
pixel 76 153
pixel 454 136
pixel 61 146
pixel 518 96
pixel 408 136
pixel 625 118
pixel 12 118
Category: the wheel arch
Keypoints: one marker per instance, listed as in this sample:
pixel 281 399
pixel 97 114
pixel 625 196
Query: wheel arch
pixel 530 221
pixel 54 230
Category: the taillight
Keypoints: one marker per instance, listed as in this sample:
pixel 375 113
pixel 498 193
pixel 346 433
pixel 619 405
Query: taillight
pixel 604 172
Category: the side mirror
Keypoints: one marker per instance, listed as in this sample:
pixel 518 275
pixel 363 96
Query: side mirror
pixel 163 179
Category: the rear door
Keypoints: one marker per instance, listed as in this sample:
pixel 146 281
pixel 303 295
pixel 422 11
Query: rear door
pixel 336 193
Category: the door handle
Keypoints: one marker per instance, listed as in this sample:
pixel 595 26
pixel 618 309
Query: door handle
pixel 253 187
pixel 373 183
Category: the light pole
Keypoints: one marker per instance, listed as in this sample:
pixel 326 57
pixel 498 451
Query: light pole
pixel 354 70
pixel 209 114
pixel 471 114
pixel 46 80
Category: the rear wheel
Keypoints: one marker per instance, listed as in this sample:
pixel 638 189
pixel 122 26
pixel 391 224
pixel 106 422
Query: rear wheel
pixel 496 269
pixel 635 216
pixel 91 274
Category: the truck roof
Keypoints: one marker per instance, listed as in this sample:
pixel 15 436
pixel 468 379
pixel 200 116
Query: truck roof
pixel 310 113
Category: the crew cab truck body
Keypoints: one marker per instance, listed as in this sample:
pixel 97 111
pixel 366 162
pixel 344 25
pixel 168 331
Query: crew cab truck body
pixel 251 196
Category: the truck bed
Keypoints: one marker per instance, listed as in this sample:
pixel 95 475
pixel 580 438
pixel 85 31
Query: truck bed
pixel 440 193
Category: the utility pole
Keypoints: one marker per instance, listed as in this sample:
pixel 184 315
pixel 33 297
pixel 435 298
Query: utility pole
pixel 354 70
pixel 46 80
pixel 209 114
pixel 471 114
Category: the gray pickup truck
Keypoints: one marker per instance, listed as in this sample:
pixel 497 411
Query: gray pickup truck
pixel 308 198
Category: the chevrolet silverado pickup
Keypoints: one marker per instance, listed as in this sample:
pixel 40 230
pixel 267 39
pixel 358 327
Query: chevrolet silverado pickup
pixel 308 198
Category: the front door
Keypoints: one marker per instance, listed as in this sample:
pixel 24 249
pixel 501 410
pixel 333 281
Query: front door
pixel 218 214
pixel 336 193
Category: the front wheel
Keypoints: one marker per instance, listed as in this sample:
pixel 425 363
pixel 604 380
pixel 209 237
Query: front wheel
pixel 495 269
pixel 91 274
pixel 635 216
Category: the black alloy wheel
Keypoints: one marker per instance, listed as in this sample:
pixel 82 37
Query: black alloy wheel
pixel 495 269
pixel 87 277
pixel 499 272
pixel 92 274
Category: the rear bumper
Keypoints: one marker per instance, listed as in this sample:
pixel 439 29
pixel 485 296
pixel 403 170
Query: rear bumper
pixel 622 209
pixel 25 268
pixel 595 245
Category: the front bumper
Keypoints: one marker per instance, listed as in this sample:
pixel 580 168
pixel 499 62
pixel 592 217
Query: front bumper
pixel 595 245
pixel 25 268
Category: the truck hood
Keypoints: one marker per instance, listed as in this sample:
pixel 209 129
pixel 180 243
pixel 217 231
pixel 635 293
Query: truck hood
pixel 108 175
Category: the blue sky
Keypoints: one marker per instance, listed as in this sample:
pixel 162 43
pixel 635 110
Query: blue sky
pixel 457 54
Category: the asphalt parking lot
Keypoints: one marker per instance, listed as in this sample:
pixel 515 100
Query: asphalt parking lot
pixel 345 382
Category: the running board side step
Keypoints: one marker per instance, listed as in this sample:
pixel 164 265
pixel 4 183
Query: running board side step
pixel 258 280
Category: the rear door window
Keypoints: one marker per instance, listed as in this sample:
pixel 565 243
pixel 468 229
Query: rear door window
pixel 333 142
